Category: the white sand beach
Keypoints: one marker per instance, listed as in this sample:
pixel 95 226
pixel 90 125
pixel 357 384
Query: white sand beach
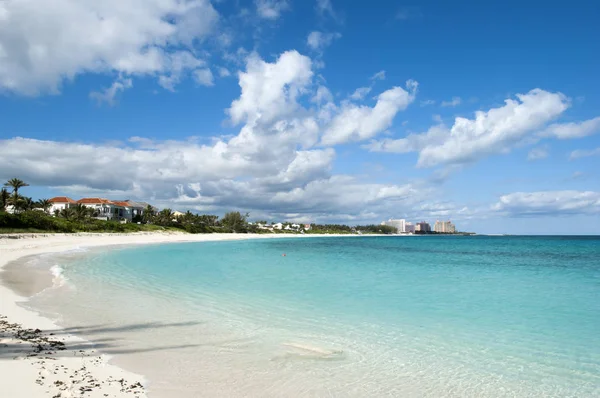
pixel 37 358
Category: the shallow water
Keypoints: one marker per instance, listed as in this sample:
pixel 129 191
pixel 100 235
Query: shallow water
pixel 347 317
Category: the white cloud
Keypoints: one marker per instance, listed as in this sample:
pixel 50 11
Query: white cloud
pixel 319 40
pixel 271 9
pixel 583 153
pixel 437 118
pixel 179 64
pixel 455 101
pixel 538 153
pixel 494 131
pixel 224 72
pixel 427 102
pixel 379 75
pixel 325 7
pixel 269 90
pixel 412 142
pixel 270 166
pixel 551 203
pixel 204 77
pixel 188 175
pixel 355 123
pixel 322 96
pixel 108 94
pixel 43 44
pixel 344 194
pixel 360 93
pixel 573 130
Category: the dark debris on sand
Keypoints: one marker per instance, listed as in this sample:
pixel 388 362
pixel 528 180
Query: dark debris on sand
pixel 61 381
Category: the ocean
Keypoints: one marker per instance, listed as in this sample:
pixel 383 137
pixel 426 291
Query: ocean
pixel 431 316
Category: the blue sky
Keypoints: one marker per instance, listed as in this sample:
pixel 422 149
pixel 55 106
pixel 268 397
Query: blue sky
pixel 318 111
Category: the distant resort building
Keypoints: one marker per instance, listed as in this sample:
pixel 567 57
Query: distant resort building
pixel 409 228
pixel 445 227
pixel 423 227
pixel 398 224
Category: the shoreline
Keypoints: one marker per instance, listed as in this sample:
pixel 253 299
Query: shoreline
pixel 43 360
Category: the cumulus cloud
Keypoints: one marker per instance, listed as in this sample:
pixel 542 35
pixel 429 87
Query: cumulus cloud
pixel 271 9
pixel 538 153
pixel 325 8
pixel 43 44
pixel 271 166
pixel 179 64
pixel 455 101
pixel 497 130
pixel 224 72
pixel 379 75
pixel 360 93
pixel 584 153
pixel 270 90
pixel 319 40
pixel 356 123
pixel 549 203
pixel 573 130
pixel 204 77
pixel 108 94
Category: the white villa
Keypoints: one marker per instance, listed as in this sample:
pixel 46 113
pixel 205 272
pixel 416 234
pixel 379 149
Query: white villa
pixel 60 203
pixel 105 209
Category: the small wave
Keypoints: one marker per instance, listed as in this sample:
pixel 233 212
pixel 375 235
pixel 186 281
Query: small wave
pixel 58 279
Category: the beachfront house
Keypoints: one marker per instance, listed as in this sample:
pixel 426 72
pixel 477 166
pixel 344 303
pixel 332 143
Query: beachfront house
pixel 104 209
pixel 124 210
pixel 138 208
pixel 60 203
pixel 278 226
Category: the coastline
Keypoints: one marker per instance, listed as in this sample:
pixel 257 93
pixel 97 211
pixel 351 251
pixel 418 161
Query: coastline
pixel 42 360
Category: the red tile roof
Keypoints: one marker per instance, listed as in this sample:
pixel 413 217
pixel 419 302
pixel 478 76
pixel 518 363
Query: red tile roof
pixel 120 203
pixel 61 199
pixel 94 201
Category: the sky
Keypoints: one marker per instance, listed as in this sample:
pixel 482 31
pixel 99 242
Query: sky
pixel 324 111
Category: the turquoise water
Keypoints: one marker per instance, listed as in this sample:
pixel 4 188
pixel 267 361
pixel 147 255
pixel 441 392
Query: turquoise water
pixel 368 316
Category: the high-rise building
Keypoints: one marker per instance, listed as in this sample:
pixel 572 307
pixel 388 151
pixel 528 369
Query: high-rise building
pixel 423 227
pixel 398 224
pixel 409 227
pixel 445 227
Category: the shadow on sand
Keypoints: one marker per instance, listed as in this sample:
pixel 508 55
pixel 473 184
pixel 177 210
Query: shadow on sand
pixel 16 341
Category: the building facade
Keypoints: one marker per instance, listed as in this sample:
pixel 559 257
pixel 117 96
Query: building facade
pixel 104 209
pixel 444 227
pixel 398 224
pixel 60 203
pixel 423 227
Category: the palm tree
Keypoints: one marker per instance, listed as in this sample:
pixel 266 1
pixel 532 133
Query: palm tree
pixel 81 212
pixel 15 184
pixel 165 216
pixel 25 204
pixel 67 213
pixel 44 204
pixel 148 214
pixel 4 198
